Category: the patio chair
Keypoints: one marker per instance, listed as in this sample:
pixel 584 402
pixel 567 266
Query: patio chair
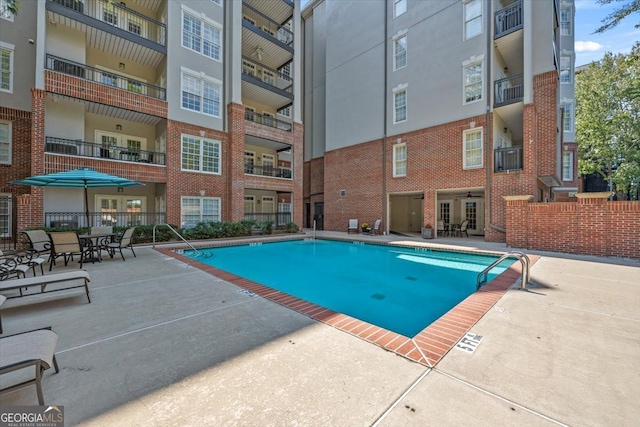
pixel 353 226
pixel 11 267
pixel 463 228
pixel 66 244
pixel 376 227
pixel 101 244
pixel 26 257
pixel 441 228
pixel 124 242
pixel 38 240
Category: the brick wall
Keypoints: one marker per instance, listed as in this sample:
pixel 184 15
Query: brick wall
pixel 590 226
pixel 545 99
pixel 20 166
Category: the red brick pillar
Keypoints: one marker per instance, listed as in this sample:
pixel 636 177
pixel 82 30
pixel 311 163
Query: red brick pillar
pixel 25 218
pixel 517 217
pixel 234 206
pixel 592 232
pixel 37 155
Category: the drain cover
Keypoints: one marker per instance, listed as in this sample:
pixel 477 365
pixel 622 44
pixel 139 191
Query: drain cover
pixel 378 296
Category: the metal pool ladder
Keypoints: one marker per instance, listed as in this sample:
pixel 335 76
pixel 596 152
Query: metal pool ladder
pixel 520 256
pixel 198 253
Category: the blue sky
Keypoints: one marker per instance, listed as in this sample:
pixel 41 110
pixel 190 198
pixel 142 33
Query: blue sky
pixel 592 47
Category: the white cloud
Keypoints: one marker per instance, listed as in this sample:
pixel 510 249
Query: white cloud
pixel 587 46
pixel 586 4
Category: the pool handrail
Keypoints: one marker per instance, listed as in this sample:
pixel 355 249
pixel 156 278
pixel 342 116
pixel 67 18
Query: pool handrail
pixel 177 234
pixel 520 256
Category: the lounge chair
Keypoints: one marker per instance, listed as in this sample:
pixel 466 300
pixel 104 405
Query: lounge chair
pixel 66 244
pixel 376 227
pixel 353 226
pixel 125 242
pixel 26 257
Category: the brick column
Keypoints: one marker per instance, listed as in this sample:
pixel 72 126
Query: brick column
pixel 37 154
pixel 25 217
pixel 592 231
pixel 234 206
pixel 517 217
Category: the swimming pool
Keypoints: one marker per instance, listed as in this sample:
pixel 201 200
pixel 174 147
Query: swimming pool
pixel 399 289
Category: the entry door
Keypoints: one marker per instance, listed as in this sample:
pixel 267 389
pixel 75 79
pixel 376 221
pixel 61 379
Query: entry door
pixel 473 211
pixel 318 215
pixel 249 207
pixel 120 210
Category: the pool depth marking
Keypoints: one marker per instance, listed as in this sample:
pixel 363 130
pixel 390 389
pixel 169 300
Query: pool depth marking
pixel 431 343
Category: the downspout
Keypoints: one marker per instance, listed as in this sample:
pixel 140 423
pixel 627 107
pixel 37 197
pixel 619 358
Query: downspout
pixel 488 123
pixel 384 124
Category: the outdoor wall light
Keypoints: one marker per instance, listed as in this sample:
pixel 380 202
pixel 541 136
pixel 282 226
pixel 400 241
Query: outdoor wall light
pixel 202 193
pixel 121 65
pixel 120 189
pixel 118 127
pixel 505 130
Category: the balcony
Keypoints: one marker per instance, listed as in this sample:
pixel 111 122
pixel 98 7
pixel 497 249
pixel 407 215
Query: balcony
pixel 102 219
pixel 265 85
pixel 108 78
pixel 267 120
pixel 279 219
pixel 71 147
pixel 507 159
pixel 272 171
pixel 112 27
pixel 508 20
pixel 265 39
pixel 508 90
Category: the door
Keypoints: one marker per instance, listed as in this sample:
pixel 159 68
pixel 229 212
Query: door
pixel 269 208
pixel 124 211
pixel 318 215
pixel 268 162
pixel 445 213
pixel 473 211
pixel 249 207
pixel 249 161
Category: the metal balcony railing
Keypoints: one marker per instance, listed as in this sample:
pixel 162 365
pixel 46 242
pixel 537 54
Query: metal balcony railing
pixel 508 19
pixel 118 15
pixel 279 219
pixel 263 23
pixel 271 77
pixel 267 120
pixel 507 159
pixel 102 219
pixel 72 147
pixel 271 171
pixel 508 90
pixel 108 78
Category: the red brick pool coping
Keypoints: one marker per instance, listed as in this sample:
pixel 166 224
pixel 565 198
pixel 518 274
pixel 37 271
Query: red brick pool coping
pixel 427 347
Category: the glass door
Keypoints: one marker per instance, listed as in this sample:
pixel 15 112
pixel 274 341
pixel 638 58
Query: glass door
pixel 123 211
pixel 473 211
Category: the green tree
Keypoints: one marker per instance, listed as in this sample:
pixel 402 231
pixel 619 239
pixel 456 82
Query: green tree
pixel 608 120
pixel 614 18
pixel 12 6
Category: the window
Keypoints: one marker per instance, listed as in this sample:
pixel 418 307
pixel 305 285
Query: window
pixel 199 209
pixel 200 154
pixel 565 69
pixel 399 7
pixel 284 72
pixel 400 106
pixel 285 111
pixel 400 52
pixel 567 165
pixel 400 160
pixel 473 82
pixel 200 36
pixel 218 2
pixel 6 67
pixel 6 219
pixel 567 117
pixel 5 142
pixel 134 145
pixel 200 95
pixel 4 11
pixel 472 19
pixel 472 149
pixel 565 21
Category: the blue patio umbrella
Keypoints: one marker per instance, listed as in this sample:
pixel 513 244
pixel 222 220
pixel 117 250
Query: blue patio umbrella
pixel 78 178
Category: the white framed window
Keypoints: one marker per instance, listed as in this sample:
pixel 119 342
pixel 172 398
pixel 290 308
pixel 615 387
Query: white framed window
pixel 566 15
pixel 472 18
pixel 200 154
pixel 472 149
pixel 285 111
pixel 4 11
pixel 400 160
pixel 566 74
pixel 6 67
pixel 473 82
pixel 399 7
pixel 6 217
pixel 284 72
pixel 567 117
pixel 400 105
pixel 567 165
pixel 201 36
pixel 201 94
pixel 400 52
pixel 199 209
pixel 5 142
pixel 218 2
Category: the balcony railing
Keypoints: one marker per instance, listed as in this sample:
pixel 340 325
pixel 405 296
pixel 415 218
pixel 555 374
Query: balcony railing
pixel 263 23
pixel 271 171
pixel 269 76
pixel 508 90
pixel 280 219
pixel 267 120
pixel 73 147
pixel 507 159
pixel 118 15
pixel 108 78
pixel 508 19
pixel 103 219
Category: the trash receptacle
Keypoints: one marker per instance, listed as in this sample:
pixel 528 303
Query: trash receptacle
pixel 427 233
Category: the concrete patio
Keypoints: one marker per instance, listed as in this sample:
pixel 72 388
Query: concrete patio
pixel 165 344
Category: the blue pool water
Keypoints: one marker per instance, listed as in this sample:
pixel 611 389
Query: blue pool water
pixel 399 289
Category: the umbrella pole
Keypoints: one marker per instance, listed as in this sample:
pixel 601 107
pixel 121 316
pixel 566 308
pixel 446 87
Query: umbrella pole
pixel 86 206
